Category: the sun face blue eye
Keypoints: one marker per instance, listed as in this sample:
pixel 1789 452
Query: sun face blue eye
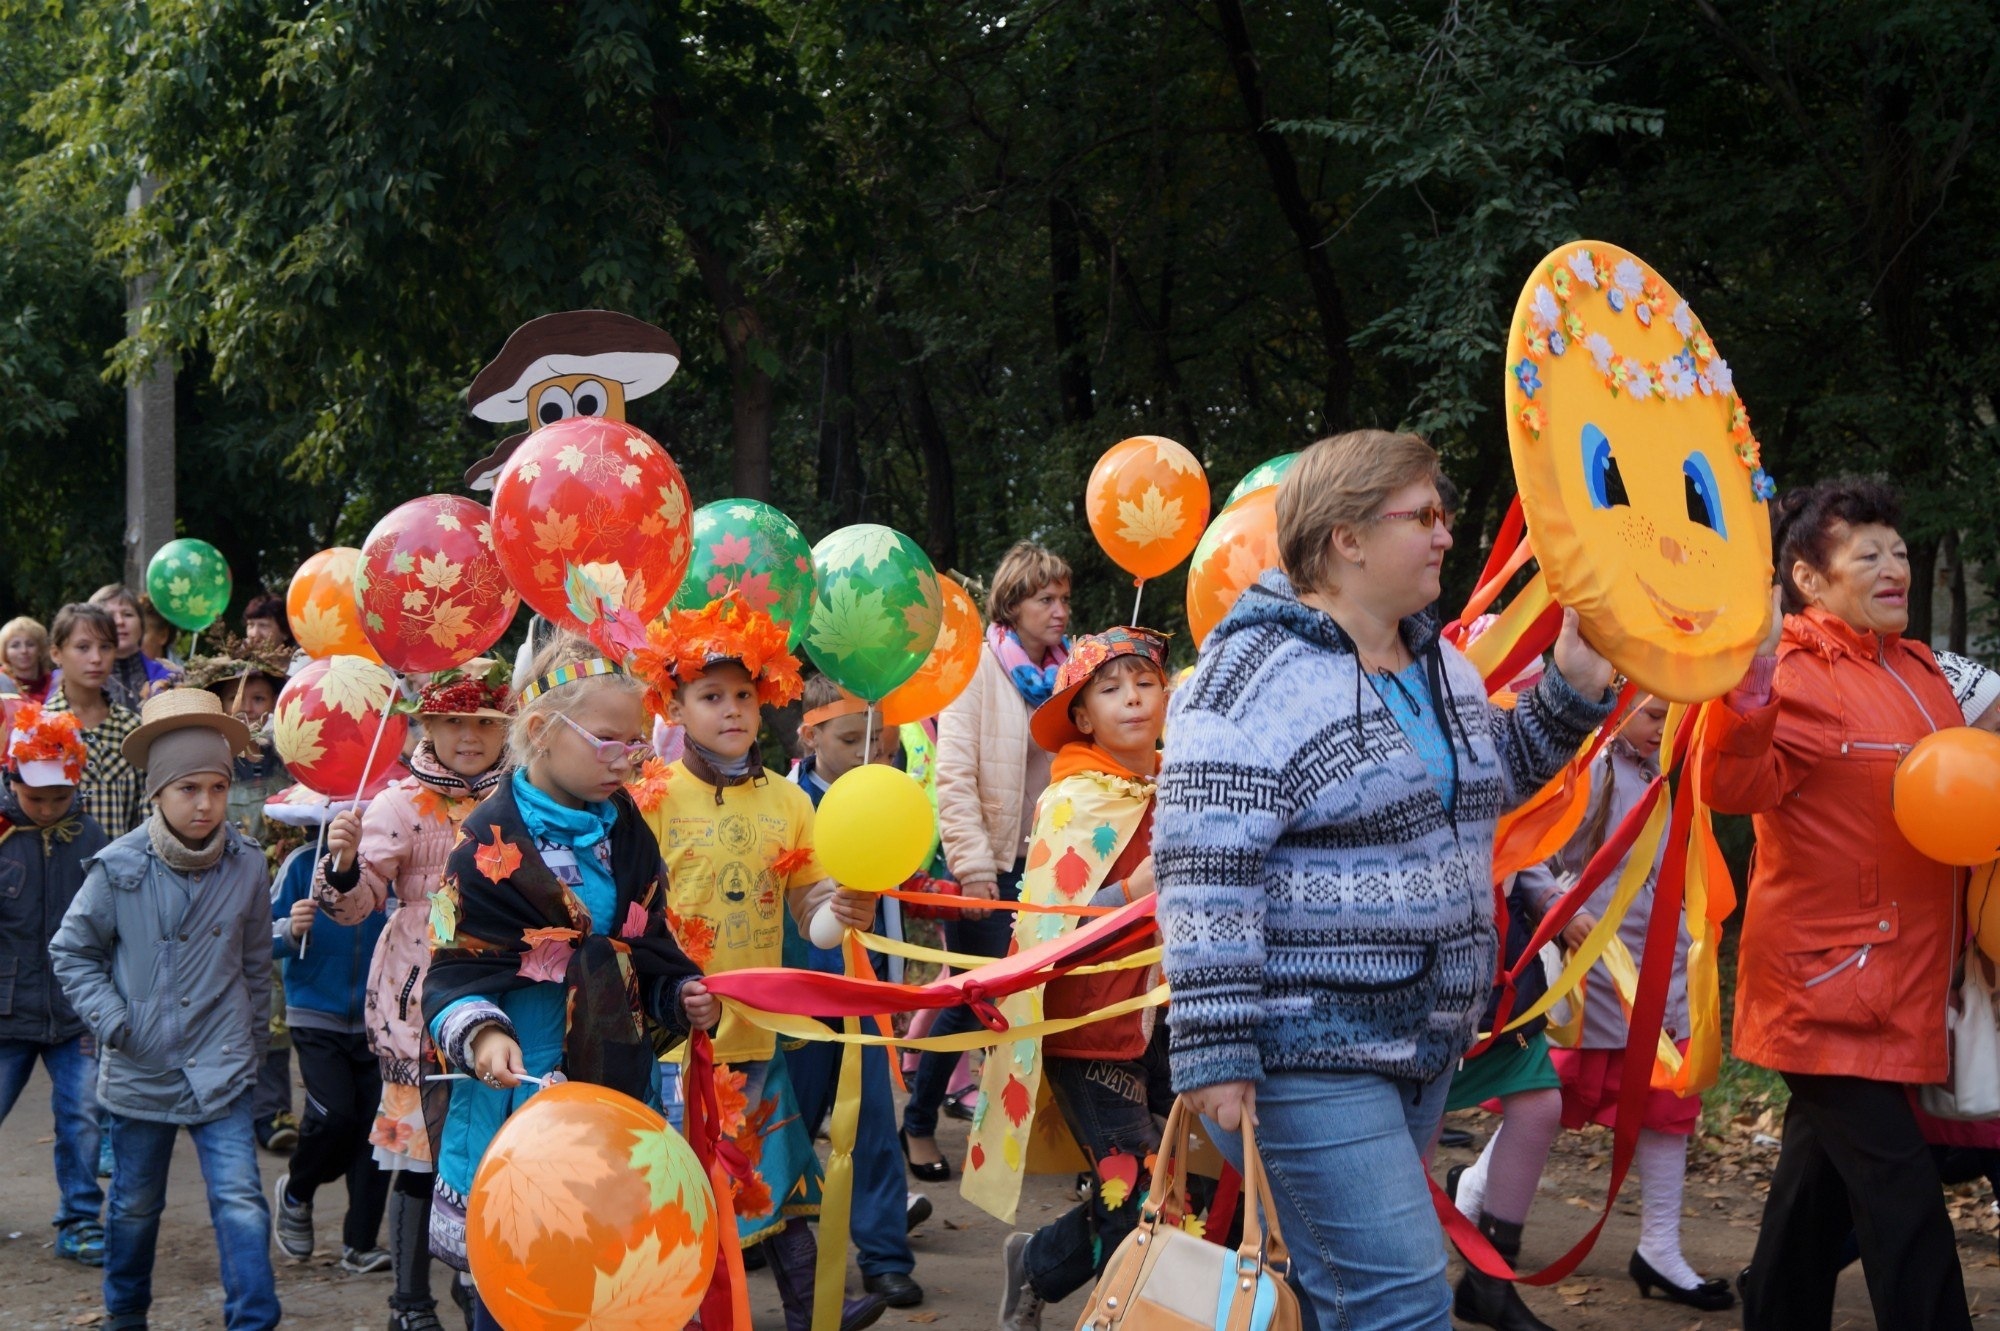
pixel 1704 497
pixel 1600 470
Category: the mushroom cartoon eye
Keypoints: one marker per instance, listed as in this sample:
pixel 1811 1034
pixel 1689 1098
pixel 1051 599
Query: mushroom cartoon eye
pixel 555 405
pixel 1600 471
pixel 1704 497
pixel 591 399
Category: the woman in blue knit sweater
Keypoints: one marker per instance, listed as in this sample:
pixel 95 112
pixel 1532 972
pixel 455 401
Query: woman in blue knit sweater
pixel 1324 848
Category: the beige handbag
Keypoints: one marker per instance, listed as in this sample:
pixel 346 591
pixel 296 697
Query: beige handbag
pixel 1163 1278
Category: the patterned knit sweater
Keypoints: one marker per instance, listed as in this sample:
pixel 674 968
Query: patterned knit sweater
pixel 1322 909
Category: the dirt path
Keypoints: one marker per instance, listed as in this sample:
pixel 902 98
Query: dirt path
pixel 958 1252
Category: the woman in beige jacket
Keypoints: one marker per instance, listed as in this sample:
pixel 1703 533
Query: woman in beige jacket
pixel 989 775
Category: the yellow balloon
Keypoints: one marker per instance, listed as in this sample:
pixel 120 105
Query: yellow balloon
pixel 1982 903
pixel 875 827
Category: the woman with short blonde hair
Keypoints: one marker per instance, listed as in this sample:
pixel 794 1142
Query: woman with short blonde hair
pixel 990 772
pixel 24 659
pixel 1324 847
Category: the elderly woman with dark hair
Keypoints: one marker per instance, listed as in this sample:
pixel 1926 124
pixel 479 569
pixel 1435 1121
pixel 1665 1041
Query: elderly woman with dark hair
pixel 1849 933
pixel 1324 851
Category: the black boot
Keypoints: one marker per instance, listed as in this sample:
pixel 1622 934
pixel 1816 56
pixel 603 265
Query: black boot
pixel 1488 1300
pixel 411 1307
pixel 793 1253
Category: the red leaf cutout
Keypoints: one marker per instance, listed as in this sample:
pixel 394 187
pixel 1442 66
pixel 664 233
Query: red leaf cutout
pixel 978 1156
pixel 498 860
pixel 1014 1101
pixel 1072 874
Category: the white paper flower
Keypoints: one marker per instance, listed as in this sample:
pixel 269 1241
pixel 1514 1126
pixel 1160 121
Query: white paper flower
pixel 1544 307
pixel 1640 384
pixel 1676 381
pixel 1628 277
pixel 1723 376
pixel 1705 384
pixel 1580 264
pixel 1683 319
pixel 1601 350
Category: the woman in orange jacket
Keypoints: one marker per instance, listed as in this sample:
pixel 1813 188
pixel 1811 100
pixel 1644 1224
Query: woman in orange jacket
pixel 1849 933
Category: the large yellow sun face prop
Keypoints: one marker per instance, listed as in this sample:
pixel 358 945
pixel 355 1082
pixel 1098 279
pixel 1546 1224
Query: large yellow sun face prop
pixel 1639 477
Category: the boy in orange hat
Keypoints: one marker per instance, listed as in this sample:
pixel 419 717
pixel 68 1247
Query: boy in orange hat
pixel 46 836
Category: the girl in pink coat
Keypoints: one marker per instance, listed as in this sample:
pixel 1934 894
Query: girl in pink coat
pixel 391 858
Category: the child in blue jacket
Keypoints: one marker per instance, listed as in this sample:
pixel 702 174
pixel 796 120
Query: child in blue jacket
pixel 326 987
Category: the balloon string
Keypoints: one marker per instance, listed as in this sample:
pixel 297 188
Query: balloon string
pixel 1137 597
pixel 868 738
pixel 318 852
pixel 367 767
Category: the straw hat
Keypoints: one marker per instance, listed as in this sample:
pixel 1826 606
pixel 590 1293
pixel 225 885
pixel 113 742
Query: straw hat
pixel 177 709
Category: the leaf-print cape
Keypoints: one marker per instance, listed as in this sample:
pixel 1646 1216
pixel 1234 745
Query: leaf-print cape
pixel 1082 825
pixel 624 983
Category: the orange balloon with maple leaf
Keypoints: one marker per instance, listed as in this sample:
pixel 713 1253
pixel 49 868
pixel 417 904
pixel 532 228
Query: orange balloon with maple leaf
pixel 429 584
pixel 588 1210
pixel 1147 500
pixel 947 671
pixel 1234 552
pixel 320 607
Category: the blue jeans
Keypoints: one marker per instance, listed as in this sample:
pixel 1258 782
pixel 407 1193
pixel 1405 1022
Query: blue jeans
pixel 73 1095
pixel 987 937
pixel 227 1150
pixel 1345 1155
pixel 879 1224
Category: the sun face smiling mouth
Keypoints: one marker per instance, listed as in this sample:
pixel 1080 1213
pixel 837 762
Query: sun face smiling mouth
pixel 1687 621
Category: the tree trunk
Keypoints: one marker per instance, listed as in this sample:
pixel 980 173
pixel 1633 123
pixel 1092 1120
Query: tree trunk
pixel 1955 574
pixel 752 393
pixel 1923 588
pixel 940 479
pixel 842 484
pixel 1065 272
pixel 1328 300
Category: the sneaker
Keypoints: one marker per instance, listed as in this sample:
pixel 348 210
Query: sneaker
pixel 81 1241
pixel 294 1222
pixel 281 1134
pixel 414 1319
pixel 364 1262
pixel 104 1155
pixel 916 1210
pixel 1020 1306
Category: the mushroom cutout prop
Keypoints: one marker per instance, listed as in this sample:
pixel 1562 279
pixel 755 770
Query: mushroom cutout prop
pixel 577 363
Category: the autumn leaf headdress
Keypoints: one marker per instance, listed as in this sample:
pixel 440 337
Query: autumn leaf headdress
pixel 46 748
pixel 684 643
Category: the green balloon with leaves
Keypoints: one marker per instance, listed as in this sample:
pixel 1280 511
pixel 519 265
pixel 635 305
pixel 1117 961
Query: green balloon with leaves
pixel 189 582
pixel 750 548
pixel 1268 472
pixel 878 611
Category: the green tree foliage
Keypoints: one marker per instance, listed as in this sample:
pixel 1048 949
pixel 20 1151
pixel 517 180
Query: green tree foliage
pixel 928 260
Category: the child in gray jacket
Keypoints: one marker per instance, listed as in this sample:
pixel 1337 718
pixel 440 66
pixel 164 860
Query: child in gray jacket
pixel 166 954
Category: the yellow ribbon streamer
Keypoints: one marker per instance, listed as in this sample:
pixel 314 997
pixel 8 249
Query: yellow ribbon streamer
pixel 810 1028
pixel 836 1204
pixel 896 947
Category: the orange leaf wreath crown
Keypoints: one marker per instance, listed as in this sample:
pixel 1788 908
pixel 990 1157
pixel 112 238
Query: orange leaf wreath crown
pixel 684 643
pixel 47 737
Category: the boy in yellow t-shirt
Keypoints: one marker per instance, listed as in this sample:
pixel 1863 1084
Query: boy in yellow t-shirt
pixel 737 840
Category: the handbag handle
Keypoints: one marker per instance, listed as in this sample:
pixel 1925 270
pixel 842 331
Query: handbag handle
pixel 1263 1238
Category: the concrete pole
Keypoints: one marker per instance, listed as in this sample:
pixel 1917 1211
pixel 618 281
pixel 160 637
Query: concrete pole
pixel 149 434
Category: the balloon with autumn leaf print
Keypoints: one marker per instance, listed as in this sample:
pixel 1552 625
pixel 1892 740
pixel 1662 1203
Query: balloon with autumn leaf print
pixel 947 671
pixel 590 511
pixel 429 586
pixel 322 609
pixel 747 547
pixel 878 611
pixel 589 1211
pixel 1234 552
pixel 1147 500
pixel 325 724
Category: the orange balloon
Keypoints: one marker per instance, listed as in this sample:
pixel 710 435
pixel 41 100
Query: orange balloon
pixel 589 1210
pixel 948 669
pixel 320 604
pixel 1982 907
pixel 1234 552
pixel 1947 796
pixel 1148 501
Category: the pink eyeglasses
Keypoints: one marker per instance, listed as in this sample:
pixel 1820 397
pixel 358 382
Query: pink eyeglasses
pixel 611 752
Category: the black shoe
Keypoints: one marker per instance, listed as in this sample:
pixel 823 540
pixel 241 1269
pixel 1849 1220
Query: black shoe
pixel 1451 1178
pixel 1456 1138
pixel 754 1259
pixel 857 1314
pixel 1488 1300
pixel 916 1210
pixel 955 1107
pixel 936 1172
pixel 414 1319
pixel 1711 1295
pixel 896 1288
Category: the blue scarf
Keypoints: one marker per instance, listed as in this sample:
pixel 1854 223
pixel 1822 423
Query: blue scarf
pixel 579 829
pixel 1035 682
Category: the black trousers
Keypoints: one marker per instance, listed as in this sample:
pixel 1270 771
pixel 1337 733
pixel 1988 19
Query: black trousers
pixel 343 1081
pixel 1853 1159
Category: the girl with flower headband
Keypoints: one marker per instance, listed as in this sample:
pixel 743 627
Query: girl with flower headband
pixel 738 846
pixel 550 955
pixel 392 858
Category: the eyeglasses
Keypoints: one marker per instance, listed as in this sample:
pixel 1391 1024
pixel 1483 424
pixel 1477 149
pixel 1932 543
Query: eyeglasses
pixel 611 752
pixel 1427 517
